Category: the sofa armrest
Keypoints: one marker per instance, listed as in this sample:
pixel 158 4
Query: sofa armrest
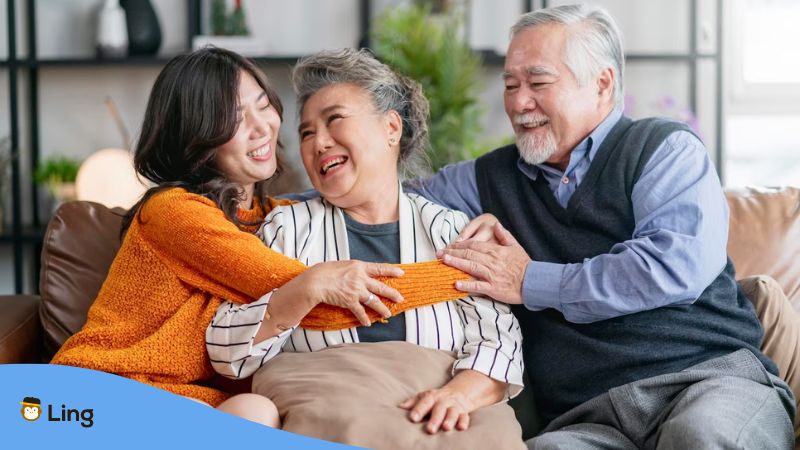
pixel 20 329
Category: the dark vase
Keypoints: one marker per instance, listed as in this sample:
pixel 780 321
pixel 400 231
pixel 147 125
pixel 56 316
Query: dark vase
pixel 144 32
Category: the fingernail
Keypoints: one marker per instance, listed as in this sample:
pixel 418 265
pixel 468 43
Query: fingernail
pixel 439 253
pixel 415 417
pixel 458 285
pixel 447 258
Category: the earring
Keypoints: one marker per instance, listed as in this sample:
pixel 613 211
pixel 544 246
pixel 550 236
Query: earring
pixel 392 141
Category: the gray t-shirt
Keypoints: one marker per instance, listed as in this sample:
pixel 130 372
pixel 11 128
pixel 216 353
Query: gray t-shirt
pixel 377 243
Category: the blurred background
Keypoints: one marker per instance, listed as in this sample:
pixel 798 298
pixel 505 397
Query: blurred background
pixel 75 76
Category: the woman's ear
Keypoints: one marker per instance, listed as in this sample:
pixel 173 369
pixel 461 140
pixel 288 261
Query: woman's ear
pixel 394 127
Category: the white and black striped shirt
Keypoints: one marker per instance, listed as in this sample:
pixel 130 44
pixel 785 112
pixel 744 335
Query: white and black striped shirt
pixel 484 334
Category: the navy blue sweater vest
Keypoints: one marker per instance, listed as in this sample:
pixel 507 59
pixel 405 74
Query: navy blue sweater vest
pixel 570 363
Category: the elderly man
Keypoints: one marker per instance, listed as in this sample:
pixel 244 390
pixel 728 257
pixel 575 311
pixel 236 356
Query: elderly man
pixel 636 334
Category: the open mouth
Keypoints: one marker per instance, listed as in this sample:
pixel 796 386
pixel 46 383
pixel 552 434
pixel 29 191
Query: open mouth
pixel 259 153
pixel 531 124
pixel 332 163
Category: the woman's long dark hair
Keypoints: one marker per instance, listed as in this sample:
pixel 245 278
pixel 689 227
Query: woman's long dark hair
pixel 190 113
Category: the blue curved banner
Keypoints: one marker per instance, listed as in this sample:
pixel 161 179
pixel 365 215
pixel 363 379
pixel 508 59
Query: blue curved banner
pixel 50 406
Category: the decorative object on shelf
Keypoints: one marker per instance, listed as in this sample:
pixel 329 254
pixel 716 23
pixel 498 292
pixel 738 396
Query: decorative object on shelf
pixel 5 175
pixel 108 177
pixel 58 175
pixel 230 31
pixel 237 23
pixel 144 31
pixel 431 51
pixel 219 18
pixel 112 31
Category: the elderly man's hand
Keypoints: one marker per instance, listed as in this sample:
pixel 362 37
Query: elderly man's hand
pixel 498 269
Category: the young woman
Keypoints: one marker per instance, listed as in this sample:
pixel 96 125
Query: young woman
pixel 209 142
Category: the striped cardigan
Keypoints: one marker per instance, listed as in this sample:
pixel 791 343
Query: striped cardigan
pixel 484 334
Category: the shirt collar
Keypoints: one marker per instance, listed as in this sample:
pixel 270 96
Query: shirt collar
pixel 586 148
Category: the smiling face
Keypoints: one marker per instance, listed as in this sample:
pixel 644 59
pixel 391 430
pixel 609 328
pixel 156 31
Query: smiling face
pixel 31 412
pixel 550 111
pixel 350 150
pixel 249 156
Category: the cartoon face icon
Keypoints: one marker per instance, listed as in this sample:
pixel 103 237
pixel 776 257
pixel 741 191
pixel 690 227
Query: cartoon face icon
pixel 31 408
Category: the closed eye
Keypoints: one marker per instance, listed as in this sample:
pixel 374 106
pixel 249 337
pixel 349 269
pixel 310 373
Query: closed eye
pixel 304 134
pixel 334 117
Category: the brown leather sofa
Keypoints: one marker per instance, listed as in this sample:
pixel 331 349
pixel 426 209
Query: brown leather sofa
pixel 82 239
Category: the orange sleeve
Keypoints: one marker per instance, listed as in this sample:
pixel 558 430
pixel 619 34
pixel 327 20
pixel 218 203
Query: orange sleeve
pixel 193 237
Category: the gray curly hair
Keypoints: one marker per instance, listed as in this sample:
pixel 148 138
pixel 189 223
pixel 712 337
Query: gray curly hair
pixel 388 90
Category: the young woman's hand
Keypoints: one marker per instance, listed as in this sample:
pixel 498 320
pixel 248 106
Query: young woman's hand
pixel 352 285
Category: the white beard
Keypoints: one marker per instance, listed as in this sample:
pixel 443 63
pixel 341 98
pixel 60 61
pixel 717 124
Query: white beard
pixel 534 149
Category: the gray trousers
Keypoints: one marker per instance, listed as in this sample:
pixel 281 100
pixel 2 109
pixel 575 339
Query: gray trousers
pixel 730 402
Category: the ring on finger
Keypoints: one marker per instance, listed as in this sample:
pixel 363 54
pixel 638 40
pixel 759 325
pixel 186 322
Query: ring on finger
pixel 370 299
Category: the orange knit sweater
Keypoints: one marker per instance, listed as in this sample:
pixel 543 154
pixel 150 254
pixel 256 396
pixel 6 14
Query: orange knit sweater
pixel 173 270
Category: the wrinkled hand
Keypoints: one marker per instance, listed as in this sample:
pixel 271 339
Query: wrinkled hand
pixel 479 229
pixel 498 269
pixel 449 409
pixel 348 284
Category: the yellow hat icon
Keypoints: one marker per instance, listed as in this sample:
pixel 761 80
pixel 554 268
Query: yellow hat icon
pixel 31 401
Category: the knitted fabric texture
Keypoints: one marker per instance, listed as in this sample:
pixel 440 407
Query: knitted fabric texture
pixel 180 259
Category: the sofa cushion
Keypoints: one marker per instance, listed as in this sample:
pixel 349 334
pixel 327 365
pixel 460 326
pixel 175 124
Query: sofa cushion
pixel 350 394
pixel 781 333
pixel 764 236
pixel 81 240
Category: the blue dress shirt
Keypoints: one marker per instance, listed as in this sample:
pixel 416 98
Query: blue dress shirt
pixel 677 249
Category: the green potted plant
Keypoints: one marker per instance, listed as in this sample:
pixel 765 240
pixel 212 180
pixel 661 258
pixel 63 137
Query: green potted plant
pixel 430 49
pixel 58 175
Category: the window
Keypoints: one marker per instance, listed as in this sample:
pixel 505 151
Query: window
pixel 763 93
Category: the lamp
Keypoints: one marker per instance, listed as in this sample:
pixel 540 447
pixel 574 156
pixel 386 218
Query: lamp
pixel 108 177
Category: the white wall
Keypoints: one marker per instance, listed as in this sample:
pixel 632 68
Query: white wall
pixel 74 120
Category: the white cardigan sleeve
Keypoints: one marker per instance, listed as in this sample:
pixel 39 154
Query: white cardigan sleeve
pixel 492 337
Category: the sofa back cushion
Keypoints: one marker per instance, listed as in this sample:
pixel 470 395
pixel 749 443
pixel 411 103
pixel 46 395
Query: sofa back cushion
pixel 79 245
pixel 764 237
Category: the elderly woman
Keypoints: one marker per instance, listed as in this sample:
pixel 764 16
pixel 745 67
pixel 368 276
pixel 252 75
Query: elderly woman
pixel 361 124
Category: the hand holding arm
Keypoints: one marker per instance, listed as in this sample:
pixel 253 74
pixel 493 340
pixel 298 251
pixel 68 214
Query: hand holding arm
pixel 346 284
pixel 498 269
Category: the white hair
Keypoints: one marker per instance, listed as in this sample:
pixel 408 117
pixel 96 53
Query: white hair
pixel 594 42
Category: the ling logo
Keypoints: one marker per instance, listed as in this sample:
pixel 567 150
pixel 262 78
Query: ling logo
pixel 31 408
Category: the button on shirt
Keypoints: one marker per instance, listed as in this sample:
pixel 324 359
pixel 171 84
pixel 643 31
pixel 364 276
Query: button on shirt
pixel 678 244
